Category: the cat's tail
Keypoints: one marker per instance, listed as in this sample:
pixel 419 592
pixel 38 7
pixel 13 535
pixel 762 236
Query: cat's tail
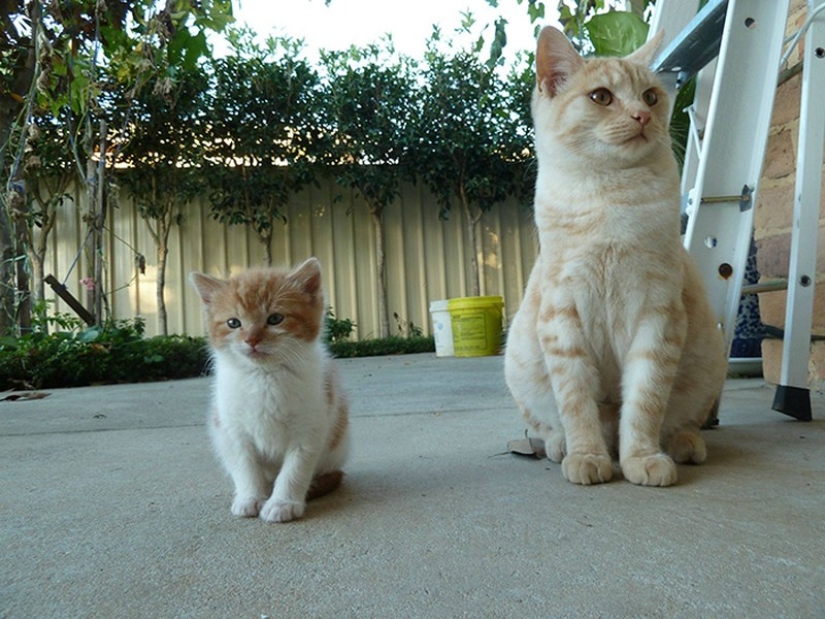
pixel 324 484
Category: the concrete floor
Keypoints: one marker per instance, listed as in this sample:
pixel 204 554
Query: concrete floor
pixel 112 505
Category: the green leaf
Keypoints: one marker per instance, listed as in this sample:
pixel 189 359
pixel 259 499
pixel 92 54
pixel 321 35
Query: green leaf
pixel 617 33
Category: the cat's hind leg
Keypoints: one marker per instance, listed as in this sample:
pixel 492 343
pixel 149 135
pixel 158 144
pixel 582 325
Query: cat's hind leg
pixel 685 445
pixel 526 376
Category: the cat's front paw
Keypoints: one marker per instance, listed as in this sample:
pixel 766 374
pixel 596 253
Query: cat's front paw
pixel 587 469
pixel 282 511
pixel 654 470
pixel 247 507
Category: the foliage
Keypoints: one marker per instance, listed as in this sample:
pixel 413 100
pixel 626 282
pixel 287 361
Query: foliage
pixel 113 353
pixel 264 133
pixel 370 92
pixel 163 156
pixel 118 353
pixel 471 147
pixel 393 345
pixel 336 329
pixel 58 61
pixel 596 26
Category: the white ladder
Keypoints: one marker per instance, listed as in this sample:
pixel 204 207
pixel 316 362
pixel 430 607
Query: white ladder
pixel 734 47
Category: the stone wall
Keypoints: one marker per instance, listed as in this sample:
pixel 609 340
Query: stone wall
pixel 774 211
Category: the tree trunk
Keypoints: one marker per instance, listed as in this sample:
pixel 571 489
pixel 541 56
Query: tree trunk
pixel 24 298
pixel 472 220
pixel 7 323
pixel 381 264
pixel 266 241
pixel 164 224
pixel 11 104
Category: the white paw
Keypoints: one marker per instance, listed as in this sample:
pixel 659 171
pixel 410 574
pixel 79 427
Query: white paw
pixel 246 507
pixel 655 470
pixel 282 511
pixel 587 469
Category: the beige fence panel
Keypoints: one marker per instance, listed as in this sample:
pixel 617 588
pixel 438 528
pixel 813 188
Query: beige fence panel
pixel 427 258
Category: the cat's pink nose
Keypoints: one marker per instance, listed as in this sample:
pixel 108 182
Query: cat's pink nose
pixel 252 340
pixel 642 117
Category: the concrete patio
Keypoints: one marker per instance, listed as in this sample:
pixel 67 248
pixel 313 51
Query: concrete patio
pixel 113 506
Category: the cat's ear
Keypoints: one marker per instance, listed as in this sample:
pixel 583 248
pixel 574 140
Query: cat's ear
pixel 308 274
pixel 206 286
pixel 647 52
pixel 556 61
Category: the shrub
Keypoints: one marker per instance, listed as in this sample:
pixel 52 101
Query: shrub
pixel 112 353
pixel 117 352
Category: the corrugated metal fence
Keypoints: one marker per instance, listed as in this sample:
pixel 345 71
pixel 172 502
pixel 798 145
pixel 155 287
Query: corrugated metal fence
pixel 427 258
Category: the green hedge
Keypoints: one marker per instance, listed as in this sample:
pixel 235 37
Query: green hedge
pixel 120 354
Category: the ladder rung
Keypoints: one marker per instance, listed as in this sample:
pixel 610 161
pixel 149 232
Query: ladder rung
pixel 766 287
pixel 697 44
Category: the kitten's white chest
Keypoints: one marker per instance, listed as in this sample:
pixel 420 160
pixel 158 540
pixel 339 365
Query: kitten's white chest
pixel 267 409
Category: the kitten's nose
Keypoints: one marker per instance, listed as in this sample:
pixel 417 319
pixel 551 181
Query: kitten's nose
pixel 642 117
pixel 253 339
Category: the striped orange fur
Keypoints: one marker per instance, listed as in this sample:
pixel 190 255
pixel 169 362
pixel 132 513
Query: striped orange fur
pixel 615 351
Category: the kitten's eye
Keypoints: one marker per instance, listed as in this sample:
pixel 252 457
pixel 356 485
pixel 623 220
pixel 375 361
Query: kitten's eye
pixel 275 319
pixel 601 96
pixel 233 323
pixel 650 97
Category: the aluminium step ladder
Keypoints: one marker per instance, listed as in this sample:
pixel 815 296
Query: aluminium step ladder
pixel 733 47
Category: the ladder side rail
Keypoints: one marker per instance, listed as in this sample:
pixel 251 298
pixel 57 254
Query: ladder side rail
pixel 698 123
pixel 792 395
pixel 741 104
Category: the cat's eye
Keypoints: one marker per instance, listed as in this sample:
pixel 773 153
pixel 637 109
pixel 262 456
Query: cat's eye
pixel 601 96
pixel 233 323
pixel 650 97
pixel 275 319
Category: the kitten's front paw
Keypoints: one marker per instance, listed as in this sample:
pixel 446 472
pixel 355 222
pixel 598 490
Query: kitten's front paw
pixel 656 470
pixel 282 511
pixel 587 469
pixel 247 507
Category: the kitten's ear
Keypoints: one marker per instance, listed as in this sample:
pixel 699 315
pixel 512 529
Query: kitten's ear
pixel 556 61
pixel 647 52
pixel 308 274
pixel 206 285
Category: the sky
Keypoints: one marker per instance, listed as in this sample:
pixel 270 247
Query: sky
pixel 360 22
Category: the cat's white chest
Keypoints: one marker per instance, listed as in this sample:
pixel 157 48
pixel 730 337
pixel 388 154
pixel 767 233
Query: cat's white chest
pixel 270 410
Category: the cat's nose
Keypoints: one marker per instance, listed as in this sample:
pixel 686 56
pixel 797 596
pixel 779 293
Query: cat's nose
pixel 642 117
pixel 253 340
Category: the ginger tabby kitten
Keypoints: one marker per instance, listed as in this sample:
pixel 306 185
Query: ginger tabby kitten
pixel 615 349
pixel 280 416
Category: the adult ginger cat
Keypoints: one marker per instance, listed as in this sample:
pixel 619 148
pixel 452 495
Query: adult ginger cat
pixel 615 349
pixel 280 416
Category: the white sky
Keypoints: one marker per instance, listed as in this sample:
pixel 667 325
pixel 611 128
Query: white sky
pixel 360 22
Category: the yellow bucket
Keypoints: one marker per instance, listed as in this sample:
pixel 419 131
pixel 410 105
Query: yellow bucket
pixel 477 325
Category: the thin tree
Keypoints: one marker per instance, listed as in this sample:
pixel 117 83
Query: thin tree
pixel 369 97
pixel 263 135
pixel 464 138
pixel 162 160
